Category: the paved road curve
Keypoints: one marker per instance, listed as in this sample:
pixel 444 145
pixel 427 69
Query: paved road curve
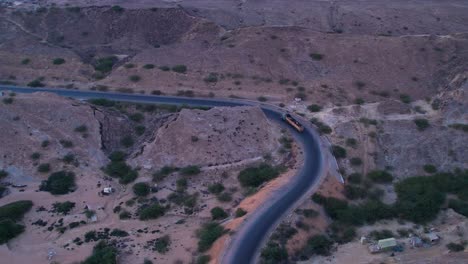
pixel 246 243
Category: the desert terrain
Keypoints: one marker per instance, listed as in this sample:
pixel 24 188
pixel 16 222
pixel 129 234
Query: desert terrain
pixel 385 83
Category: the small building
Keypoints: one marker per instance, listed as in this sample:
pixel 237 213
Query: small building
pixel 387 244
pixel 416 241
pixel 107 190
pixel 374 249
pixel 433 237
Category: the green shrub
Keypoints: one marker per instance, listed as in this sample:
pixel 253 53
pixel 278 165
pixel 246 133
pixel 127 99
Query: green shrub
pixel 224 197
pixel 61 182
pixel 58 61
pixel 355 161
pixel 102 102
pixel 9 230
pixel 262 99
pixel 134 78
pixel 338 151
pixel 454 247
pixel 359 101
pixel 218 213
pixel 103 253
pixel 274 253
pixel 341 233
pixel 140 130
pixel 382 234
pixel 152 211
pixel 319 244
pixel 405 98
pixel 181 184
pixel 459 126
pixel 380 176
pixel 459 207
pixel 68 158
pixel 354 192
pixel 15 210
pixel 163 172
pixel 43 168
pixel 190 170
pixel 81 129
pixel 314 108
pixel 255 176
pixel 148 66
pixel 3 174
pixel 36 83
pixel 179 68
pixel 322 127
pixel 211 78
pixel 316 56
pixel 421 123
pixel 129 65
pixel 127 141
pixel 125 215
pixel 204 259
pixel 117 8
pixel 141 189
pixel 208 234
pixel 429 168
pixel 105 64
pixel 137 117
pixel 161 244
pixel 66 143
pixel 63 208
pixel 164 68
pixel 118 168
pixel 25 61
pixel 355 178
pixel 216 188
pixel 240 212
pixel 351 142
pixel 35 156
pixel 119 233
pixel 7 100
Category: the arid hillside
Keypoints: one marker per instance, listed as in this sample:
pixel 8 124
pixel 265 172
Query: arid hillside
pixel 167 50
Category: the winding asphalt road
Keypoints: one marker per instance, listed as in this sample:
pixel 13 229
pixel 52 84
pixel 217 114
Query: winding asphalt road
pixel 246 243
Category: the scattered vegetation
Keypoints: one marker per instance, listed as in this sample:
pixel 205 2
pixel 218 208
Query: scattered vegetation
pixel 43 168
pixel 148 66
pixel 421 123
pixel 63 208
pixel 102 253
pixel 255 176
pixel 380 176
pixel 190 170
pixel 134 78
pixel 105 64
pixel 316 56
pixel 160 244
pixel 314 108
pixel 429 168
pixel 118 168
pixel 58 61
pixel 240 212
pixel 179 68
pixel 216 188
pixel 208 234
pixel 10 214
pixel 152 211
pixel 405 98
pixel 141 189
pixel 218 213
pixel 127 141
pixel 61 182
pixel 36 83
pixel 322 127
pixel 338 151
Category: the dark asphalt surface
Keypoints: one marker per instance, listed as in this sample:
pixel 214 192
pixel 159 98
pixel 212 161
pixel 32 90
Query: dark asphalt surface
pixel 250 237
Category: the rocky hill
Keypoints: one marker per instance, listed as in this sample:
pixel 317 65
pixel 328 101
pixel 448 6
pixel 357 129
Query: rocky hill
pixel 218 136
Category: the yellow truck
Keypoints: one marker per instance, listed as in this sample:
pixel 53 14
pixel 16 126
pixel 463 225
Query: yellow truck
pixel 293 122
